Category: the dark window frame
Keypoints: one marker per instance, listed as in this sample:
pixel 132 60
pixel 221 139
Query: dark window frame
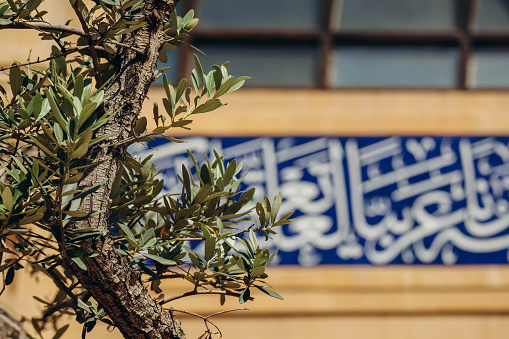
pixel 465 38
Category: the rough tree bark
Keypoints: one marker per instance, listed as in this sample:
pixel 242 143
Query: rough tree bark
pixel 109 278
pixel 10 327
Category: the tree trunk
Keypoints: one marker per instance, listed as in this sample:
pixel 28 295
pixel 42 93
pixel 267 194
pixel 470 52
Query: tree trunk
pixel 10 327
pixel 109 277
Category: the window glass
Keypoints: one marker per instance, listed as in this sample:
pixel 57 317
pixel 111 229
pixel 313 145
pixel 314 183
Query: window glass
pixel 411 15
pixel 260 14
pixel 492 15
pixel 413 67
pixel 267 65
pixel 490 68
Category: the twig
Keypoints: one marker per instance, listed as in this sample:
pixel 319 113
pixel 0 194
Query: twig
pixel 69 51
pixel 227 311
pixel 187 294
pixel 131 140
pixel 93 53
pixel 19 11
pixel 206 318
pixel 137 50
pixel 243 231
pixel 44 26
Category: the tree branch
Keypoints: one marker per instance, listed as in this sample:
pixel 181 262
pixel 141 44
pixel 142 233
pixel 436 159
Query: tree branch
pixel 68 51
pixel 227 311
pixel 44 26
pixel 187 294
pixel 137 50
pixel 206 318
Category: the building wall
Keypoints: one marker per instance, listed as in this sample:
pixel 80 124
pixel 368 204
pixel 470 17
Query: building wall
pixel 336 301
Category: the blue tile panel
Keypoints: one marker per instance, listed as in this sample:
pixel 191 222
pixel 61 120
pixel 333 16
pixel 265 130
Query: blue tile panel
pixel 393 200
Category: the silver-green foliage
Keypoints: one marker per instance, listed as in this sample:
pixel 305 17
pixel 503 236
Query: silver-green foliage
pixel 48 125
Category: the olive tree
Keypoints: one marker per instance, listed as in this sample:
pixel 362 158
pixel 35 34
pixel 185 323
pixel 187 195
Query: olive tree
pixel 78 208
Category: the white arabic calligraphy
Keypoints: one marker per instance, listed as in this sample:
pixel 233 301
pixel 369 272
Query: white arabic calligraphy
pixel 408 199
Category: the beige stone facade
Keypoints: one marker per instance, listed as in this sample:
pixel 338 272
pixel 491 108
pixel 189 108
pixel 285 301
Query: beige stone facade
pixel 336 301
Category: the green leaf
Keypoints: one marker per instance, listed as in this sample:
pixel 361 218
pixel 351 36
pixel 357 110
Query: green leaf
pixel 275 206
pixel 79 152
pixel 272 256
pixel 60 61
pixel 75 178
pixel 76 214
pixel 127 231
pixel 266 208
pixel 173 139
pixel 199 68
pixel 257 271
pixel 15 80
pixel 35 105
pixel 80 263
pixel 89 191
pixel 31 5
pixel 60 332
pixel 9 277
pixel 7 199
pixel 31 219
pixel 208 106
pixel 3 8
pixel 147 237
pixel 42 147
pixel 192 24
pixel 79 84
pixel 219 223
pixel 195 81
pixel 85 137
pixel 238 83
pixel 225 87
pixel 203 193
pixel 245 295
pixel 189 15
pixel 160 129
pixel 167 87
pixel 230 171
pixel 59 134
pixel 181 123
pixel 54 108
pixel 162 56
pixel 268 291
pixel 155 111
pixel 13 5
pixel 194 259
pixel 111 2
pixel 162 261
pixel 210 247
pixel 147 270
pixel 169 47
pixel 180 89
pixel 252 239
pixel 45 109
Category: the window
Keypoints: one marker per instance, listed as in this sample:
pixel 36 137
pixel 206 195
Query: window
pixel 432 44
